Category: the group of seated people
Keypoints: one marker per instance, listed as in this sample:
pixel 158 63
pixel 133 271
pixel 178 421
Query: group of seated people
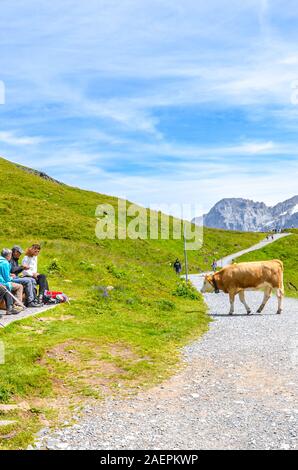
pixel 21 285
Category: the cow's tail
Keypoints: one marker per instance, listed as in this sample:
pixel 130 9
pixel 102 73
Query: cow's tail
pixel 281 290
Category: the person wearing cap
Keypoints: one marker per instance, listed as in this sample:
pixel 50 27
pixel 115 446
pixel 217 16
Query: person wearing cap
pixel 28 283
pixel 14 262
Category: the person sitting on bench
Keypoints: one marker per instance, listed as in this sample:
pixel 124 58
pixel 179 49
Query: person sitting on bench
pixel 30 260
pixel 7 281
pixel 4 295
pixel 28 283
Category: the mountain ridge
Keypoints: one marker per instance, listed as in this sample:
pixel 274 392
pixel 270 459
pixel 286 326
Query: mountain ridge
pixel 248 215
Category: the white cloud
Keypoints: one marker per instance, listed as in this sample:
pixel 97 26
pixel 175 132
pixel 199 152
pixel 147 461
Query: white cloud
pixel 153 40
pixel 115 67
pixel 271 186
pixel 10 138
pixel 2 92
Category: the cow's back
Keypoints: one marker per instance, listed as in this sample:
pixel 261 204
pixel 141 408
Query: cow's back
pixel 252 275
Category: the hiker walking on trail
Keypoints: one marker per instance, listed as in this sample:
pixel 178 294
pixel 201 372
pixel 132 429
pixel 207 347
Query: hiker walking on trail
pixel 31 261
pixel 214 265
pixel 177 266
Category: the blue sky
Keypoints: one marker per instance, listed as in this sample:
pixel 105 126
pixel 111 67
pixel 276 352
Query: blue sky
pixel 157 101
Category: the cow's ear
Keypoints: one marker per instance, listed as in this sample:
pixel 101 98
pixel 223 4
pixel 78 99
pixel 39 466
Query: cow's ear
pixel 209 278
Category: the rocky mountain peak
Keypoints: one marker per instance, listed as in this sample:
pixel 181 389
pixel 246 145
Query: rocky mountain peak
pixel 247 215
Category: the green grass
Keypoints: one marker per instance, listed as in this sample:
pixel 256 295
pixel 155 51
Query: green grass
pixel 97 344
pixel 285 249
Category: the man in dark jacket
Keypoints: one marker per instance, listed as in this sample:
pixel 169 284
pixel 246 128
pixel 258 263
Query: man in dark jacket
pixel 177 266
pixel 27 282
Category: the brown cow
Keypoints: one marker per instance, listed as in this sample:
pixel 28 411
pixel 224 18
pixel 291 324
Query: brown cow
pixel 237 278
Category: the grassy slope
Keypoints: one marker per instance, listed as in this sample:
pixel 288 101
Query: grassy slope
pixel 141 315
pixel 286 250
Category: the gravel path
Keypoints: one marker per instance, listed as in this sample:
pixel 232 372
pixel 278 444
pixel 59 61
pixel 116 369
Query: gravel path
pixel 238 390
pixel 228 259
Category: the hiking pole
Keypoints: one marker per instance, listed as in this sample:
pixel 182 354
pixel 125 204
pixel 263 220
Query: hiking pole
pixel 14 298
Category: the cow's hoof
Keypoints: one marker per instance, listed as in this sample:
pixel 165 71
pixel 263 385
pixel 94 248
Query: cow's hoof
pixel 230 314
pixel 279 312
pixel 249 312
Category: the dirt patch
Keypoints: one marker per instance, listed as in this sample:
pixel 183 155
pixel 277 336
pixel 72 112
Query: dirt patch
pixel 38 331
pixel 123 351
pixel 82 371
pixel 64 352
pixel 73 352
pixel 12 407
pixel 50 319
pixel 7 422
pixel 88 368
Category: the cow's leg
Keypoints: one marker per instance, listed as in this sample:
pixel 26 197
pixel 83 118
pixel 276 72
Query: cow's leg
pixel 280 298
pixel 242 299
pixel 232 302
pixel 267 295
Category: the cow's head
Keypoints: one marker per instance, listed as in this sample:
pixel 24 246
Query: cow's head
pixel 208 286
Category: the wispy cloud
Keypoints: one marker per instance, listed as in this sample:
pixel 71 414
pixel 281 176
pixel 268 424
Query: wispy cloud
pixel 10 138
pixel 124 92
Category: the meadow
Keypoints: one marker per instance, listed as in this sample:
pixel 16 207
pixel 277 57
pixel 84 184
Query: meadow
pixel 129 313
pixel 285 249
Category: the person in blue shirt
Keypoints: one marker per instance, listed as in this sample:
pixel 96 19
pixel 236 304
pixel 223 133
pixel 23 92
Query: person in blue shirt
pixel 5 277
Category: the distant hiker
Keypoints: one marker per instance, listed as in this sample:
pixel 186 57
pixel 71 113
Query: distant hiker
pixel 214 265
pixel 7 281
pixel 28 283
pixel 177 266
pixel 30 260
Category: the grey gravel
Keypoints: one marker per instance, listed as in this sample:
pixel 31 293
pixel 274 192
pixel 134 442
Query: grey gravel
pixel 237 390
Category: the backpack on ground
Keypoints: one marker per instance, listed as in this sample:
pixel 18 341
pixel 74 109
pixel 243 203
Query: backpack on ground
pixel 54 297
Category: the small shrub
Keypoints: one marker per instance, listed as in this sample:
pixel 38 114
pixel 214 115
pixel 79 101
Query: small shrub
pixel 86 266
pixel 186 290
pixel 54 267
pixel 4 395
pixel 165 304
pixel 117 273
